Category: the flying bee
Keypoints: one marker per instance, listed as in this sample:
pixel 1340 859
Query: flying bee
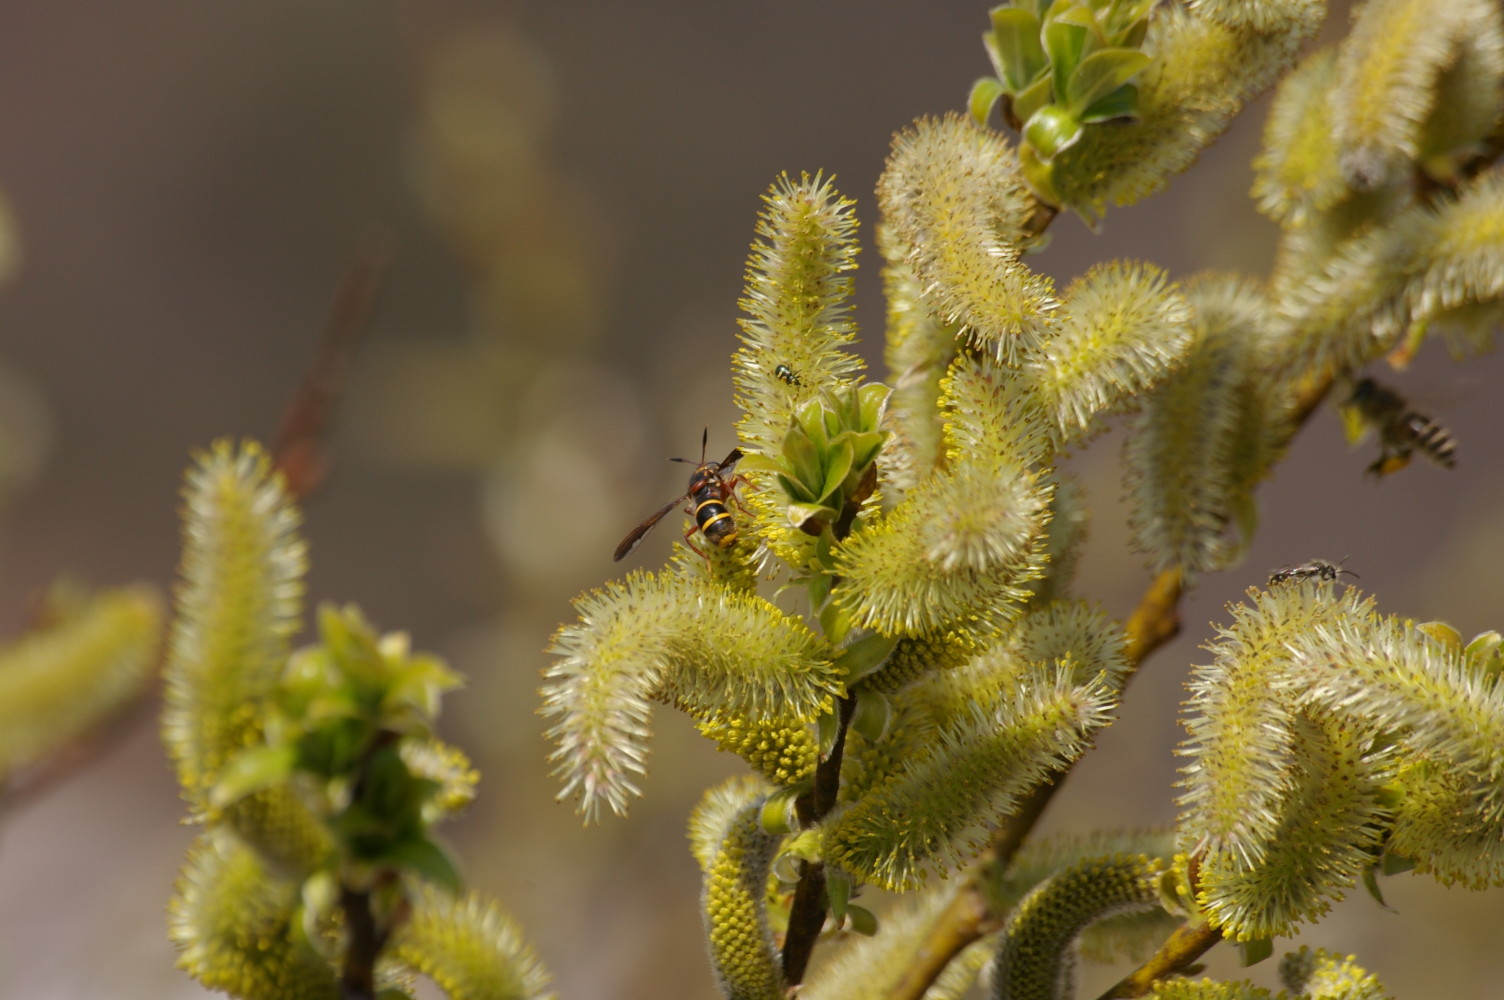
pixel 1316 569
pixel 786 374
pixel 709 489
pixel 1402 429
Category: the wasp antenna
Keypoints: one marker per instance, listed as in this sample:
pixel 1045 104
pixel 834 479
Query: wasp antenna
pixel 704 441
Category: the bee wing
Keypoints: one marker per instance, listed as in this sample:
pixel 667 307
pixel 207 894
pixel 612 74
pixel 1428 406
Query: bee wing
pixel 636 534
pixel 729 461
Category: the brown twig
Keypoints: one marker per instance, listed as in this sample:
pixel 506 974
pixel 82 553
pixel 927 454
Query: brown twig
pixel 299 445
pixel 357 974
pixel 1187 943
pixel 807 911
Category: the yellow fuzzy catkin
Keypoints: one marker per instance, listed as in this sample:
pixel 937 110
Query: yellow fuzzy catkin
pixel 959 212
pixel 1036 960
pixel 1203 69
pixel 238 605
pixel 234 924
pixel 797 329
pixel 468 947
pixel 703 647
pixel 735 856
pixel 57 682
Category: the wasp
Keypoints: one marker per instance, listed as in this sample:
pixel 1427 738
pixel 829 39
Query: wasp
pixel 1316 569
pixel 1402 429
pixel 787 375
pixel 709 489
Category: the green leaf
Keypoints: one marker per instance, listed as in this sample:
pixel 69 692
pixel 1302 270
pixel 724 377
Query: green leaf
pixel 1255 951
pixel 872 715
pixel 985 93
pixel 861 919
pixel 1032 98
pixel 1051 130
pixel 1120 106
pixel 1065 38
pixel 864 656
pixel 806 515
pixel 1371 883
pixel 839 464
pixel 1099 75
pixel 778 815
pixel 838 889
pixel 252 770
pixel 423 858
pixel 1014 47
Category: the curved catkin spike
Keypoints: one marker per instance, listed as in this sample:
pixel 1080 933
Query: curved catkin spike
pixel 1388 75
pixel 1240 717
pixel 958 208
pixel 1328 830
pixel 1321 975
pixel 234 925
pixel 963 543
pixel 1448 724
pixel 58 682
pixel 1128 935
pixel 699 646
pixel 1296 174
pixel 1204 438
pixel 918 350
pixel 1036 958
pixel 991 411
pixel 1076 631
pixel 937 811
pixel 781 750
pixel 798 330
pixel 238 606
pixel 1201 73
pixel 736 895
pixel 468 947
pixel 1463 252
pixel 1122 328
pixel 1350 309
pixel 717 810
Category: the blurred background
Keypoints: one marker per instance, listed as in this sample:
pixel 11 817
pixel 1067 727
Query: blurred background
pixel 570 190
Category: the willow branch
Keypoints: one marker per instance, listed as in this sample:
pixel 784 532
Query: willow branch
pixel 1183 947
pixel 299 447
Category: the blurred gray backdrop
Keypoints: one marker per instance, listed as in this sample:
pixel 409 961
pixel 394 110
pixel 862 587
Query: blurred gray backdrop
pixel 571 189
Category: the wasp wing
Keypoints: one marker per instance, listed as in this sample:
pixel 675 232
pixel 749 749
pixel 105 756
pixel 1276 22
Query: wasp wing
pixel 636 534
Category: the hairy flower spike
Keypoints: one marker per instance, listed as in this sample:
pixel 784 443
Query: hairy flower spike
pixel 1387 79
pixel 1327 834
pixel 919 348
pixel 235 925
pixel 736 856
pixel 703 648
pixel 1296 173
pixel 469 948
pixel 1122 329
pixel 798 330
pixel 990 411
pixel 238 606
pixel 59 681
pixel 1203 66
pixel 1321 975
pixel 962 546
pixel 781 750
pixel 1036 958
pixel 1241 723
pixel 1204 438
pixel 958 207
pixel 937 811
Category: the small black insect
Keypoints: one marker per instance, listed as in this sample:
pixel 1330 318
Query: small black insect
pixel 1316 569
pixel 1402 429
pixel 786 374
pixel 708 491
